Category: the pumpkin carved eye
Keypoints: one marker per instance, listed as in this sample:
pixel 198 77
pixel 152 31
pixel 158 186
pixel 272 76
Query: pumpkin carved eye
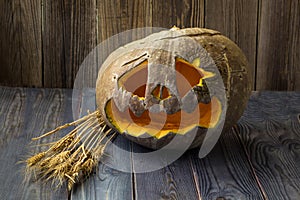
pixel 137 119
pixel 190 72
pixel 135 77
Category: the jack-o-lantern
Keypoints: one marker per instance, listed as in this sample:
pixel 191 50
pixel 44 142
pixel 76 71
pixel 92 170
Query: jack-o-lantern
pixel 172 83
pixel 165 84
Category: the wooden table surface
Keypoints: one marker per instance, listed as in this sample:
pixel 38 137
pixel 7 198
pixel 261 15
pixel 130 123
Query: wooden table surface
pixel 258 159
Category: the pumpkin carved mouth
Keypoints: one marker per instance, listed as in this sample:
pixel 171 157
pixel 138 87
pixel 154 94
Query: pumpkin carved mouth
pixel 157 114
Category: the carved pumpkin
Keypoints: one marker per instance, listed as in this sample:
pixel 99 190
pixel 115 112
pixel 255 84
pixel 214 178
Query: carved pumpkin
pixel 172 83
pixel 157 87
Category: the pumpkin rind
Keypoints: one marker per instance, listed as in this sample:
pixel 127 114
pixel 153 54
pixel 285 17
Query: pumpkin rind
pixel 229 59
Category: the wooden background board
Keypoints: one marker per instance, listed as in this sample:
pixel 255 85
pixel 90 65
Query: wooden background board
pixel 278 52
pixel 43 42
pixel 21 58
pixel 69 34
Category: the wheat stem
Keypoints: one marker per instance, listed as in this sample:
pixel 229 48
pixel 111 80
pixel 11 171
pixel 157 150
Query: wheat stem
pixel 67 125
pixel 75 154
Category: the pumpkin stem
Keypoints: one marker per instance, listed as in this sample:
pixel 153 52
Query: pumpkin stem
pixel 74 156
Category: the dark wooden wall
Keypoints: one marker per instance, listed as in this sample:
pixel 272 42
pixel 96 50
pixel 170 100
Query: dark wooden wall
pixel 43 42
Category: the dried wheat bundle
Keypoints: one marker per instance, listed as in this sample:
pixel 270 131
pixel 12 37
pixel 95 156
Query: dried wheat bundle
pixel 75 155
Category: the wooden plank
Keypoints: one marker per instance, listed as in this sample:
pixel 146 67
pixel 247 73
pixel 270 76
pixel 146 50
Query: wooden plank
pixel 26 113
pixel 186 13
pixel 9 43
pixel 118 16
pixel 83 41
pixel 174 181
pixel 270 131
pixel 69 34
pixel 278 55
pixel 225 172
pixel 110 181
pixel 21 43
pixel 236 19
pixel 56 27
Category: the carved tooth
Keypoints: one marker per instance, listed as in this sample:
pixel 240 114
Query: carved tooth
pixel 171 105
pixel 121 98
pixel 202 94
pixel 189 102
pixel 136 105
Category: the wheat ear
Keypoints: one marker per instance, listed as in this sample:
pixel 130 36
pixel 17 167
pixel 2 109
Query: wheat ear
pixel 74 156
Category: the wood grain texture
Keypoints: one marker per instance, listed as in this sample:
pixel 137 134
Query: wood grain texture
pixel 69 34
pixel 236 19
pixel 278 55
pixel 225 172
pixel 56 41
pixel 121 16
pixel 43 42
pixel 21 43
pixel 174 181
pixel 186 13
pixel 270 132
pixel 26 113
pixel 118 16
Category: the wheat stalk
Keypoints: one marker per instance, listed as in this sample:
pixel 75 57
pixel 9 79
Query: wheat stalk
pixel 75 155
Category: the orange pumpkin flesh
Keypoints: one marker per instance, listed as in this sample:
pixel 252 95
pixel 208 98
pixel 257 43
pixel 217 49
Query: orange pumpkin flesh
pixel 160 124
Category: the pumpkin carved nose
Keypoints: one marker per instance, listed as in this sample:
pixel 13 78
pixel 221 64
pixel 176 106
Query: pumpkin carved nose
pixel 161 91
pixel 170 102
pixel 161 99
